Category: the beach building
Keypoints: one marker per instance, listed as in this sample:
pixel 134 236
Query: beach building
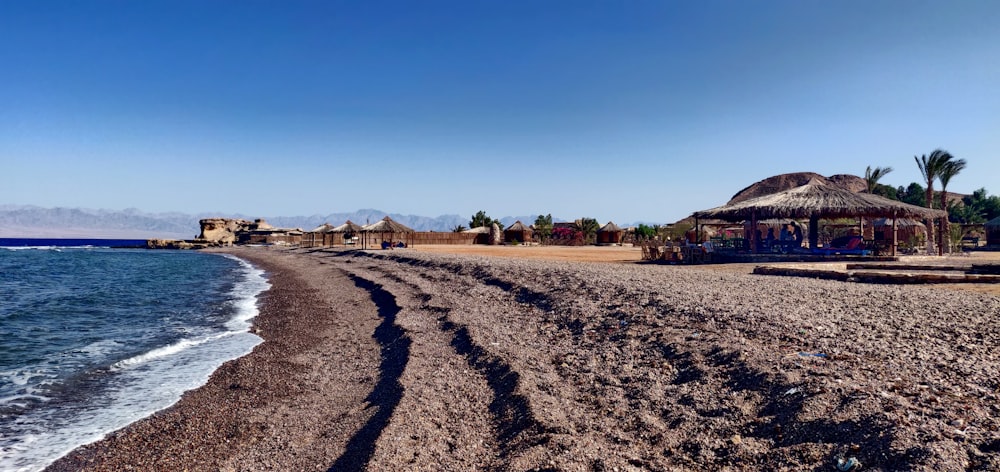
pixel 482 234
pixel 910 233
pixel 260 232
pixel 517 233
pixel 610 234
pixel 993 233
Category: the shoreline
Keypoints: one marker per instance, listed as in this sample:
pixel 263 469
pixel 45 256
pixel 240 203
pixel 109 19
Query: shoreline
pixel 402 360
pixel 259 400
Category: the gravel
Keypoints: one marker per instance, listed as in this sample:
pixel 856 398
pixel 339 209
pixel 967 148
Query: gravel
pixel 400 360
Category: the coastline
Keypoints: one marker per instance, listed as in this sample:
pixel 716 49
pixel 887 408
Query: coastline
pixel 265 399
pixel 406 360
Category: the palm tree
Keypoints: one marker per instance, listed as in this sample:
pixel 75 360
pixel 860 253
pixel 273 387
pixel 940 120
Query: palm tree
pixel 543 227
pixel 930 168
pixel 480 219
pixel 948 170
pixel 458 229
pixel 587 226
pixel 872 176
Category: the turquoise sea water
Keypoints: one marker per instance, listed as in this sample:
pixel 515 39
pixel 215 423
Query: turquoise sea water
pixel 94 339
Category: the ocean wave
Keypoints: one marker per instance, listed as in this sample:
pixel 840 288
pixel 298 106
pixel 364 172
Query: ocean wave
pixel 245 293
pixel 34 248
pixel 166 351
pixel 21 377
pixel 22 400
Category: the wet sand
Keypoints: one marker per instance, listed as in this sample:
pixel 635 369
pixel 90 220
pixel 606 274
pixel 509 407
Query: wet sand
pixel 408 360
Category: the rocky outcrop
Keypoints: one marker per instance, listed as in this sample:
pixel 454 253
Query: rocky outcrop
pixel 222 231
pixel 495 235
pixel 784 182
pixel 175 244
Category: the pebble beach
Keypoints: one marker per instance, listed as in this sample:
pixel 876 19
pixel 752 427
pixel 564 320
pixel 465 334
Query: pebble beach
pixel 405 360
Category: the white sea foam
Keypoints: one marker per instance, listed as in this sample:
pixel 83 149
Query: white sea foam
pixel 167 351
pixel 247 290
pixel 137 386
pixel 23 399
pixel 100 348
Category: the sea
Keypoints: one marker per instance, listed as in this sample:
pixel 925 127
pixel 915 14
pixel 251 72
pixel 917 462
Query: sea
pixel 93 338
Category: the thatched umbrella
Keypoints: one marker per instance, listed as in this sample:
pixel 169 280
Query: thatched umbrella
pixel 323 228
pixel 347 230
pixel 309 237
pixel 815 200
pixel 387 225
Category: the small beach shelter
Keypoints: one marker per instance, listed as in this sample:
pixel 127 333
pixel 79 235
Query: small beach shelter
pixel 907 229
pixel 345 232
pixel 314 237
pixel 482 234
pixel 993 232
pixel 610 234
pixel 814 200
pixel 517 233
pixel 396 232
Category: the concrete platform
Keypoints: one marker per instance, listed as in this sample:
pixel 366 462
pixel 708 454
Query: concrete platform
pixel 891 273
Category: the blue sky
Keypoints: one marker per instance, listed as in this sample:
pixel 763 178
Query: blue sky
pixel 625 111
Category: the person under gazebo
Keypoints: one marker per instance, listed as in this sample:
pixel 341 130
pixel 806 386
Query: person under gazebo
pixel 796 235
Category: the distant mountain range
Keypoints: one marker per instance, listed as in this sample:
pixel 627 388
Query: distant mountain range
pixel 32 221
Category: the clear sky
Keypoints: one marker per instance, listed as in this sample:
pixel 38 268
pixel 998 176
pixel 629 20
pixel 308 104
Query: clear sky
pixel 625 111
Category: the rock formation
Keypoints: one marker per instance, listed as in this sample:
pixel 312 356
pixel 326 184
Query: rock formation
pixel 779 183
pixel 223 230
pixel 174 244
pixel 495 234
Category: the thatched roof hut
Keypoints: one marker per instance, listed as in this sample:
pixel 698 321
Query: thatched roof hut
pixel 517 233
pixel 993 232
pixel 901 223
pixel 908 230
pixel 348 227
pixel 396 231
pixel 816 200
pixel 482 234
pixel 314 237
pixel 610 234
pixel 345 234
pixel 323 228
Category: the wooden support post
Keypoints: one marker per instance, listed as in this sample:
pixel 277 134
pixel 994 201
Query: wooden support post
pixel 895 236
pixel 813 231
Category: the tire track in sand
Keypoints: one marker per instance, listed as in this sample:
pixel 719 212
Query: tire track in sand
pixel 514 424
pixel 442 421
pixel 388 391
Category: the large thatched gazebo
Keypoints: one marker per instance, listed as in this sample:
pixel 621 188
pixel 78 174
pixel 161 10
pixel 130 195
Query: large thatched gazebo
pixel 993 232
pixel 610 234
pixel 517 233
pixel 397 232
pixel 815 200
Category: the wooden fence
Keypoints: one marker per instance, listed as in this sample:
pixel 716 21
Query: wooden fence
pixel 375 239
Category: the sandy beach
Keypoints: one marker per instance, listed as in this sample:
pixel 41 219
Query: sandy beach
pixel 421 360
